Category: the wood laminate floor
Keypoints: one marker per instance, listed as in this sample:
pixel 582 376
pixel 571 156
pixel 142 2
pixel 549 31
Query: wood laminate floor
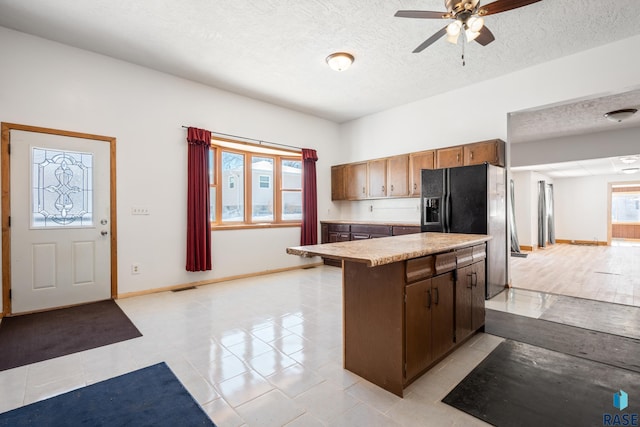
pixel 603 273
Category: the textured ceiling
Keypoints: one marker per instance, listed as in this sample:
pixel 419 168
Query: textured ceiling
pixel 608 166
pixel 275 50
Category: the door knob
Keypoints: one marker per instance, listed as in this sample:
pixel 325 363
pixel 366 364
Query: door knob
pixel 104 232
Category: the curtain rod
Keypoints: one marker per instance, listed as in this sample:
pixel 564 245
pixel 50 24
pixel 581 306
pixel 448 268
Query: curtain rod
pixel 259 141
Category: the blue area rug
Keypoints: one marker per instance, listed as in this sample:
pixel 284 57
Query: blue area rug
pixel 152 396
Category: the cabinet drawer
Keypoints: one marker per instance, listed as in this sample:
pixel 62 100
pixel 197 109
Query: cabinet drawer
pixel 464 256
pixel 371 229
pixel 479 252
pixel 419 268
pixel 398 230
pixel 445 262
pixel 339 227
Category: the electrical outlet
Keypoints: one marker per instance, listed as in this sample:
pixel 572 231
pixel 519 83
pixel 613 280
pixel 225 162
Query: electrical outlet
pixel 135 268
pixel 139 211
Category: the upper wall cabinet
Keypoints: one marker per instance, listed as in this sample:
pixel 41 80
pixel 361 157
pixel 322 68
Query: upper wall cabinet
pixel 449 157
pixel 337 182
pixel 417 162
pixel 400 176
pixel 398 172
pixel 355 177
pixel 378 178
pixel 491 151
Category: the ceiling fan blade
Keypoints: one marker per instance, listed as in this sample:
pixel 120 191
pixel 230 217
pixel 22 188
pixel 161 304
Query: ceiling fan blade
pixel 421 14
pixel 485 37
pixel 430 40
pixel 504 5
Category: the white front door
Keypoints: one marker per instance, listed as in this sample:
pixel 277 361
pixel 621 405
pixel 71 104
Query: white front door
pixel 60 221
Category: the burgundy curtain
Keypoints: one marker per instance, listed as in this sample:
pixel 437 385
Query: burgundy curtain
pixel 309 233
pixel 198 228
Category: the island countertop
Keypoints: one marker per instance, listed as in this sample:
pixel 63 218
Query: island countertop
pixel 387 250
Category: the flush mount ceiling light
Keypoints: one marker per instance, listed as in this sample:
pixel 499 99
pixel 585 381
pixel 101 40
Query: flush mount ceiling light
pixel 620 115
pixel 629 171
pixel 340 61
pixel 629 159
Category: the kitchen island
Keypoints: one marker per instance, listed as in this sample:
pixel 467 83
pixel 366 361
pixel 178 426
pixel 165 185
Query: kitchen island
pixel 408 301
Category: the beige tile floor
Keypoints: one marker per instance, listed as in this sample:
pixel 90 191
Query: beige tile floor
pixel 264 351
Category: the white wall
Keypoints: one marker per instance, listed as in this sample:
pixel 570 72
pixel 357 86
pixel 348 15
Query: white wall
pixel 52 85
pixel 581 206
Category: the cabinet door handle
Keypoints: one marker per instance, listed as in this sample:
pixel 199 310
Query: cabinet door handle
pixel 383 188
pixel 458 157
pixel 471 155
pixel 392 188
pixel 428 298
pixel 415 186
pixel 363 189
pixel 475 276
pixel 437 296
pixel 470 281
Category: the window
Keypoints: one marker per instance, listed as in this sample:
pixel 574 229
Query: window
pixel 261 186
pixel 625 207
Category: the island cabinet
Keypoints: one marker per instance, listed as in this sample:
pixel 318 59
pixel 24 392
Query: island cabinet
pixel 407 303
pixel 429 318
pixel 470 290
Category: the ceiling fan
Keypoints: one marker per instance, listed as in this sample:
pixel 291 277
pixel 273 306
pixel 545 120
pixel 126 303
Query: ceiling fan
pixel 467 17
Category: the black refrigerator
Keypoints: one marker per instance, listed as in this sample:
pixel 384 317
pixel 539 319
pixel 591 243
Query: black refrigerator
pixel 470 199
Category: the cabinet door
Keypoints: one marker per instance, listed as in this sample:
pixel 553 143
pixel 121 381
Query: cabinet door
pixel 487 151
pixel 398 185
pixel 477 295
pixel 418 327
pixel 442 316
pixel 337 183
pixel 464 289
pixel 417 162
pixel 378 178
pixel 449 157
pixel 356 181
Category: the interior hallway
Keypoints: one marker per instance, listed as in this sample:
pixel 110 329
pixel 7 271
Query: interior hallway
pixel 604 273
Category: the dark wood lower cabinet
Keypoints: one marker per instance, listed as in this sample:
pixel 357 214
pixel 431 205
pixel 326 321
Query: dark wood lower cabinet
pixel 429 321
pixel 402 318
pixel 470 294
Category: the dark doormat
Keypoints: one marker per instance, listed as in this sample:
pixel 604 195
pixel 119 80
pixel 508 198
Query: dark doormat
pixel 41 336
pixel 518 255
pixel 152 396
pixel 601 347
pixel 600 316
pixel 523 385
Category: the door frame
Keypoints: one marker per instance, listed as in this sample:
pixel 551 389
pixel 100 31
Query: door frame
pixel 6 202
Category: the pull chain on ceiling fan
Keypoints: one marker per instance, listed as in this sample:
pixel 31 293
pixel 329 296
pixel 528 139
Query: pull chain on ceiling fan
pixel 468 18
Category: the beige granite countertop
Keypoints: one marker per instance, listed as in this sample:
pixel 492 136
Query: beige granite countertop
pixel 386 250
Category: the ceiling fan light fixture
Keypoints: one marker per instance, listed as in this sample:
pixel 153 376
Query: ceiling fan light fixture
pixel 475 23
pixel 453 29
pixel 340 61
pixel 471 35
pixel 620 115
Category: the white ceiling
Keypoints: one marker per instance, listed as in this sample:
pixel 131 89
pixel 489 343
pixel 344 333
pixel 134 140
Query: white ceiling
pixel 275 50
pixel 608 166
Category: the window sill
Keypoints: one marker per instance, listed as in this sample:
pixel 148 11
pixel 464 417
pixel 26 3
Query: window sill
pixel 256 225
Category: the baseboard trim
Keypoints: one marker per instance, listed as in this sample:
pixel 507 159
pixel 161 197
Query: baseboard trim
pixel 526 248
pixel 582 242
pixel 214 281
